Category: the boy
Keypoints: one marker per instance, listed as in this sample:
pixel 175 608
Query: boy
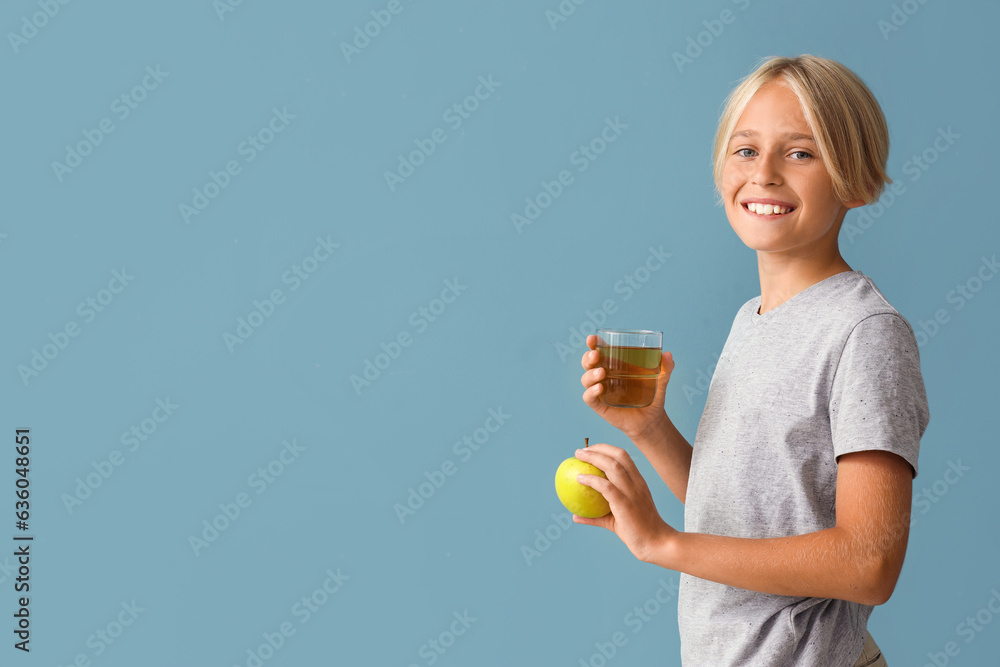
pixel 797 490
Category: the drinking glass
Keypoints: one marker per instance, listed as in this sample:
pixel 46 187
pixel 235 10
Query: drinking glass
pixel 632 361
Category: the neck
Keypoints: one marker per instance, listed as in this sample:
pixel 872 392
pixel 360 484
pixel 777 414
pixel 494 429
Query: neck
pixel 782 277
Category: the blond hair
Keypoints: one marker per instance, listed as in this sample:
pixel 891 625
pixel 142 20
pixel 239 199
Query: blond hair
pixel 846 120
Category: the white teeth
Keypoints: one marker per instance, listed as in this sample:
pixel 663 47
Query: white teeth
pixel 767 209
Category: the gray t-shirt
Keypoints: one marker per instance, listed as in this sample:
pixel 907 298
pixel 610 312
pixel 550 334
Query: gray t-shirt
pixel 833 370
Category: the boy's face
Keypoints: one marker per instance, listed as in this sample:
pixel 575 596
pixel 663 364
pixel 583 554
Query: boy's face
pixel 772 159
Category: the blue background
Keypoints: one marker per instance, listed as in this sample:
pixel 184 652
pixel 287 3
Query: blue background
pixel 477 545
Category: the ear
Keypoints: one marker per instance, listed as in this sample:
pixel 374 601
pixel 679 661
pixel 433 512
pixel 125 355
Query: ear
pixel 855 203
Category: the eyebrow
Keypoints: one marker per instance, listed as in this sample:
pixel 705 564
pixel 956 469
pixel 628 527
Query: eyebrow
pixel 793 136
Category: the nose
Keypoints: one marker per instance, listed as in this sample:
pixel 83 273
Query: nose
pixel 765 170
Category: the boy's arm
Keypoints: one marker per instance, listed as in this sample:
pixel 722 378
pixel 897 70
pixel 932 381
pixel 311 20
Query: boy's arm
pixel 668 452
pixel 649 428
pixel 858 560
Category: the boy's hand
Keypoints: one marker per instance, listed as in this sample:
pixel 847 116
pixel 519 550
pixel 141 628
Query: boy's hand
pixel 630 421
pixel 633 514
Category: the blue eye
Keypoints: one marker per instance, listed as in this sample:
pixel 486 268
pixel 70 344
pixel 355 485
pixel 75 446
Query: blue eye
pixel 740 152
pixel 807 155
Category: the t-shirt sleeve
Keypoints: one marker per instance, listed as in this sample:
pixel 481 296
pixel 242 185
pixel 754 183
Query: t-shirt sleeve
pixel 878 399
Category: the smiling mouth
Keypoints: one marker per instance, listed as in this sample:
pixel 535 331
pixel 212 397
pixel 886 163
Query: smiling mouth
pixel 767 210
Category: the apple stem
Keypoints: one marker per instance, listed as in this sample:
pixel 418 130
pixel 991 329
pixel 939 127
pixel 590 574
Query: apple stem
pixel 586 442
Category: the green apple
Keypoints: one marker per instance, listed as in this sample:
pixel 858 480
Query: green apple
pixel 579 498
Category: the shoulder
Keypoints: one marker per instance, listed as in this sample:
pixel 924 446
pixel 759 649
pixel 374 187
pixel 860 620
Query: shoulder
pixel 878 351
pixel 859 297
pixel 871 317
pixel 744 316
pixel 854 307
pixel 749 307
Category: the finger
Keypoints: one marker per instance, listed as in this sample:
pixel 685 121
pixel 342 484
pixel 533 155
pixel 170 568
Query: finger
pixel 603 486
pixel 667 364
pixel 616 463
pixel 592 397
pixel 606 488
pixel 606 451
pixel 602 447
pixel 592 341
pixel 592 376
pixel 606 521
pixel 590 359
pixel 612 461
pixel 666 368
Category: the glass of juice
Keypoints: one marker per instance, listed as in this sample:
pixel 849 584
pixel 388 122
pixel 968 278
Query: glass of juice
pixel 632 361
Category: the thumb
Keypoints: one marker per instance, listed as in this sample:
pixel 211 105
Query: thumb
pixel 606 521
pixel 666 368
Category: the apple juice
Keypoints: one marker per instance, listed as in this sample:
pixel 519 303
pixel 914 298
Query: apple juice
pixel 631 375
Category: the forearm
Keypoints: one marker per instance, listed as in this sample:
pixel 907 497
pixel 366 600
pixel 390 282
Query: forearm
pixel 830 563
pixel 668 452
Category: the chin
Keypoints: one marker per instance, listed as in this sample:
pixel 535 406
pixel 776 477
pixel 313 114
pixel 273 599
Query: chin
pixel 765 247
pixel 763 242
